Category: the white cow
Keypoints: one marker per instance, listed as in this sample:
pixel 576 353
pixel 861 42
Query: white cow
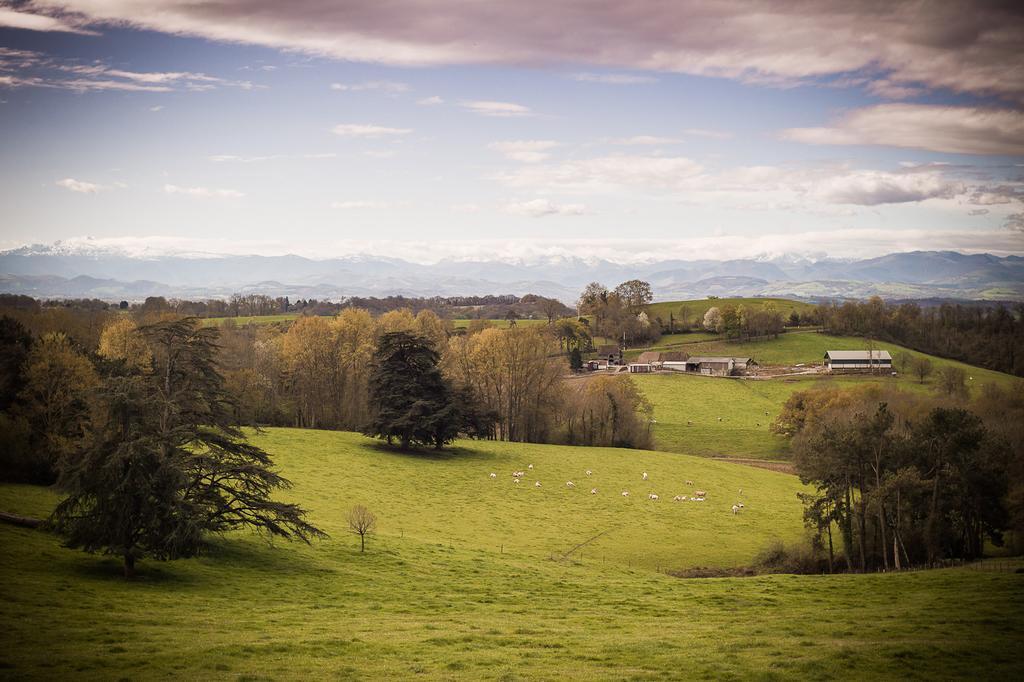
pixel 529 466
pixel 625 493
pixel 593 491
pixel 515 480
pixel 679 498
pixel 588 472
pixel 689 483
pixel 652 496
pixel 570 484
pixel 645 475
pixel 735 509
pixel 537 484
pixel 494 475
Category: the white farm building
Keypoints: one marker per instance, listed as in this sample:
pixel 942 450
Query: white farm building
pixel 857 360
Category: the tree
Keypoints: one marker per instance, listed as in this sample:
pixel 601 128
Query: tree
pixel 121 340
pixel 15 342
pixel 713 320
pixel 409 397
pixel 634 294
pixel 953 382
pixel 163 464
pixel 362 522
pixel 551 308
pixel 904 360
pixel 575 360
pixel 922 368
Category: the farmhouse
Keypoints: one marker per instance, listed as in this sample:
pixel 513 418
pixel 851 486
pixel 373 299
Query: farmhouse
pixel 610 354
pixel 640 368
pixel 718 366
pixel 857 360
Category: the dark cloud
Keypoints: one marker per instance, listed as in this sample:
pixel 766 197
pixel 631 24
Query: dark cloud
pixel 960 45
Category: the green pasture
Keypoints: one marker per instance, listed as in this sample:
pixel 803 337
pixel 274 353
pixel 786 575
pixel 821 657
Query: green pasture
pixel 695 309
pixel 460 583
pixel 250 319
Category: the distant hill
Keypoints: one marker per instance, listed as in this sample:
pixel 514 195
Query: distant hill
pixel 73 270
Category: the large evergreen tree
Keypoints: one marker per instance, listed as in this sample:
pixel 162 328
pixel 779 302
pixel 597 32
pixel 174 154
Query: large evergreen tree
pixel 410 398
pixel 164 464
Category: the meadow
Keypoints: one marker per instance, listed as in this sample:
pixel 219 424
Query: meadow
pixel 459 583
pixel 696 308
pixel 747 406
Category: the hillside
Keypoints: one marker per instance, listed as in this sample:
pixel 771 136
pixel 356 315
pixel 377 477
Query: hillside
pixel 458 583
pixel 742 404
pixel 696 308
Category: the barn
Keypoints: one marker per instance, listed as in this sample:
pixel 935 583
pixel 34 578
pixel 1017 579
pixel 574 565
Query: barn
pixel 718 366
pixel 857 360
pixel 640 368
pixel 610 354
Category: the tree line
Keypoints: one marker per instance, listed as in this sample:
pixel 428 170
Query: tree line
pixel 902 479
pixel 986 335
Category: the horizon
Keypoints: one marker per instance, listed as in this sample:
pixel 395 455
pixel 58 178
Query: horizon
pixel 221 129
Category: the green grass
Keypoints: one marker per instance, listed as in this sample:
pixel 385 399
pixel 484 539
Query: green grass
pixel 742 403
pixel 502 323
pixel 250 319
pixel 695 309
pixel 437 597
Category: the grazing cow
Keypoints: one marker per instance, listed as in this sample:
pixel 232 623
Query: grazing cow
pixel 529 466
pixel 689 423
pixel 515 480
pixel 570 484
pixel 735 509
pixel 740 505
pixel 689 483
pixel 537 484
pixel 494 475
pixel 593 491
pixel 696 499
pixel 625 493
pixel 589 472
pixel 679 498
pixel 645 475
pixel 699 493
pixel 652 496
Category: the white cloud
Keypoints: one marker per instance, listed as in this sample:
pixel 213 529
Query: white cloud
pixel 613 78
pixel 204 192
pixel 80 186
pixel 500 109
pixel 704 132
pixel 10 18
pixel 232 158
pixel 539 208
pixel 434 100
pixel 386 86
pixel 364 130
pixel 349 205
pixel 648 173
pixel 380 153
pixel 158 107
pixel 872 188
pixel 957 130
pixel 644 140
pixel 526 151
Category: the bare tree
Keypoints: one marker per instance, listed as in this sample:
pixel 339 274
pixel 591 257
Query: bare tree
pixel 362 522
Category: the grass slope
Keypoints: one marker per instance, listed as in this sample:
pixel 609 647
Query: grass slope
pixel 435 598
pixel 742 403
pixel 695 309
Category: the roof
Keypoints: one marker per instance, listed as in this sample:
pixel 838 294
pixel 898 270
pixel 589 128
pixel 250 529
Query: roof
pixel 858 355
pixel 673 356
pixel 738 361
pixel 649 356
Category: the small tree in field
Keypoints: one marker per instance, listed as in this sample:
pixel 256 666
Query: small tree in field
pixel 575 360
pixel 362 522
pixel 922 369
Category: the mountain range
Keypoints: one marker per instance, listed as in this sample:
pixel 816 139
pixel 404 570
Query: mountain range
pixel 58 271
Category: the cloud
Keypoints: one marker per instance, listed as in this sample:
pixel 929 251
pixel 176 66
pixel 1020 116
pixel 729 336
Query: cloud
pixel 978 211
pixel 607 173
pixel 526 151
pixel 30 68
pixel 1015 222
pixel 350 205
pixel 380 153
pixel 157 108
pixel 962 47
pixel 639 140
pixel 465 208
pixel 232 158
pixel 501 109
pixel 203 192
pixel 539 208
pixel 10 18
pixel 430 101
pixel 80 186
pixel 873 188
pixel 704 132
pixel 386 86
pixel 613 78
pixel 363 130
pixel 957 130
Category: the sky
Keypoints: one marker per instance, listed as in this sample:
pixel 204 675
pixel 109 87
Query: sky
pixel 431 129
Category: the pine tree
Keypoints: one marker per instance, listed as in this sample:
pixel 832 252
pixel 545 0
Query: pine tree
pixel 410 398
pixel 164 464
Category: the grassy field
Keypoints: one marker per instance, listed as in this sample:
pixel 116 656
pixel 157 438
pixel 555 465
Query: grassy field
pixel 458 584
pixel 743 403
pixel 250 319
pixel 462 323
pixel 695 309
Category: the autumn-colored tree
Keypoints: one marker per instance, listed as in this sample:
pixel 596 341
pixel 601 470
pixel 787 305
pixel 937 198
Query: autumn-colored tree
pixel 121 340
